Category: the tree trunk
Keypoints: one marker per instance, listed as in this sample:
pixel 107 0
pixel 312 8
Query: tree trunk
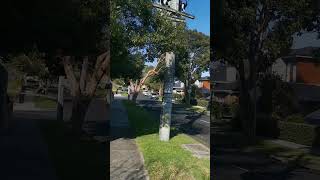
pixel 247 101
pixel 134 96
pixel 211 91
pixel 186 93
pixel 161 90
pixel 79 108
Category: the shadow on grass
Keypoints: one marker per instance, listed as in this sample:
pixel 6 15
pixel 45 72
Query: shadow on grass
pixel 74 158
pixel 184 123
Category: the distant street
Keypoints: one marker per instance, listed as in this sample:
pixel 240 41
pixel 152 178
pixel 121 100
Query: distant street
pixel 194 124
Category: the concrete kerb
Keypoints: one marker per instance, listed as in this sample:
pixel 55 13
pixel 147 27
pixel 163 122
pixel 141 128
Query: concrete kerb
pixel 142 160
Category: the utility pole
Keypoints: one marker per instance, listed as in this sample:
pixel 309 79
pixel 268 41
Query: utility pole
pixel 165 120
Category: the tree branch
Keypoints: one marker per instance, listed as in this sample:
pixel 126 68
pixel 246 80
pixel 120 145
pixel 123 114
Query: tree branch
pixel 70 75
pixel 101 67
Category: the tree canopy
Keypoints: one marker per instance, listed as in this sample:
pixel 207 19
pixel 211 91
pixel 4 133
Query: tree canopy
pixel 138 28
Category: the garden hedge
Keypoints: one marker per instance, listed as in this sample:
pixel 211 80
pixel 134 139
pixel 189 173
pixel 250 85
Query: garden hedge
pixel 203 103
pixel 299 133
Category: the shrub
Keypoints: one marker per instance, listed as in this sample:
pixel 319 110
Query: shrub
pixel 203 103
pixel 296 118
pixel 217 110
pixel 298 132
pixel 177 96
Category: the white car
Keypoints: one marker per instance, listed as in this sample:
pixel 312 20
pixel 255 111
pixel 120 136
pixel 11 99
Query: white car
pixel 154 95
pixel 146 93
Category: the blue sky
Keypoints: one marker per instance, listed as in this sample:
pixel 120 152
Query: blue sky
pixel 201 10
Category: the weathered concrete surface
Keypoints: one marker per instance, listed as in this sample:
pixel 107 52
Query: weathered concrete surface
pixel 126 162
pixel 23 152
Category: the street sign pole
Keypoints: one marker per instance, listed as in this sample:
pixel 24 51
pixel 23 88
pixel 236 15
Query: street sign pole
pixel 165 119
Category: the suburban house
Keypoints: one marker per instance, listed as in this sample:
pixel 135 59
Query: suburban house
pixel 302 70
pixel 178 87
pixel 204 85
pixel 225 81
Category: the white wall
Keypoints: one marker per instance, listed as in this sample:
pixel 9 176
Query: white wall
pixel 279 68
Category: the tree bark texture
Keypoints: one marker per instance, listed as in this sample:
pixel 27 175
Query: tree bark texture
pixel 136 86
pixel 83 89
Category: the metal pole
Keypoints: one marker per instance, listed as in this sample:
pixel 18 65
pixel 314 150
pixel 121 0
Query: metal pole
pixel 60 99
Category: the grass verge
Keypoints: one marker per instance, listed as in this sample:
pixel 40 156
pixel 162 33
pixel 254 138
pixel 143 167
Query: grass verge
pixel 44 103
pixel 74 158
pixel 198 109
pixel 165 160
pixel 14 88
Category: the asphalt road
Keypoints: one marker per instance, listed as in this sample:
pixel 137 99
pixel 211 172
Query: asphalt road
pixel 191 123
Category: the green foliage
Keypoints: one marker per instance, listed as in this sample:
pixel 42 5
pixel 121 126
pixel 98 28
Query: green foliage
pixel 30 64
pixel 14 88
pixel 193 59
pixel 284 99
pixel 262 29
pixel 164 160
pixel 44 103
pixel 297 132
pixel 217 110
pixel 178 97
pixel 295 118
pixel 137 28
pixel 203 103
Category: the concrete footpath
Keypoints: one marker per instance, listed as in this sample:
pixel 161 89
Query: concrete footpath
pixel 126 161
pixel 23 152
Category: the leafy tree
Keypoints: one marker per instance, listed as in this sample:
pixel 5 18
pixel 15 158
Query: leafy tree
pixel 31 64
pixel 255 34
pixel 194 59
pixel 140 30
pixel 73 33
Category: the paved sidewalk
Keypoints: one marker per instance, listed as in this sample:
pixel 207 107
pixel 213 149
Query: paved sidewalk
pixel 126 161
pixel 23 152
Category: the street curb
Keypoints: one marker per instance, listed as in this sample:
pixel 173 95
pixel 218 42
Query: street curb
pixel 142 160
pixel 200 141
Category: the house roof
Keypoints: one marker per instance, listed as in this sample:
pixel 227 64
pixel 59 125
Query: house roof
pixel 204 78
pixel 305 53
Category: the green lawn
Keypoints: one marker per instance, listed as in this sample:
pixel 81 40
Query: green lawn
pixel 44 103
pixel 14 88
pixel 74 158
pixel 198 109
pixel 165 160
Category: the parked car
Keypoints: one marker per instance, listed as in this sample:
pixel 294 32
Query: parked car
pixel 145 92
pixel 154 95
